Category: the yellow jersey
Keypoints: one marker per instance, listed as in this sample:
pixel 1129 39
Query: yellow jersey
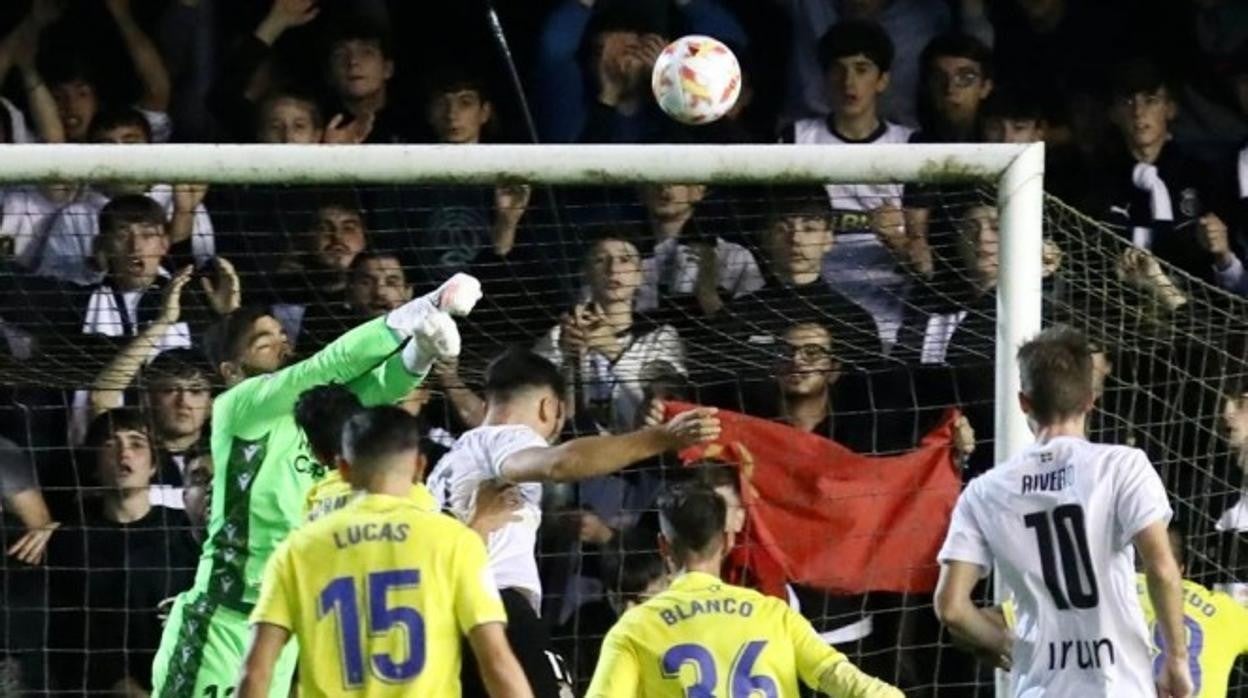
pixel 332 493
pixel 378 595
pixel 1217 633
pixel 704 637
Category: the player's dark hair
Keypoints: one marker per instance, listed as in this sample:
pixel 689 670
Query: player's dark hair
pixel 518 369
pixel 304 98
pixel 956 45
pixel 375 434
pixel 130 209
pixel 852 37
pixel 226 339
pixel 321 413
pixel 175 364
pixel 713 474
pixel 1056 374
pixel 691 516
pixel 109 118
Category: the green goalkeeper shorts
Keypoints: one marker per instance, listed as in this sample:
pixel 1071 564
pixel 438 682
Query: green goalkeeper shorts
pixel 202 649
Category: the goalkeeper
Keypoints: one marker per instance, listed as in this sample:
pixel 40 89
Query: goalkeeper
pixel 264 470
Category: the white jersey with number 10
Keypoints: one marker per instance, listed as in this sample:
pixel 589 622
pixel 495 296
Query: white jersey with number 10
pixel 1059 520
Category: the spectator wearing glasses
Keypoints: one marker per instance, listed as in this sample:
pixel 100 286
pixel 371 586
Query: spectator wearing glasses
pixel 868 414
pixel 176 391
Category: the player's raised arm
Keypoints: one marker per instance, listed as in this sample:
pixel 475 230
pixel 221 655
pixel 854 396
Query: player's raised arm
pixel 1165 590
pixel 592 456
pixel 367 347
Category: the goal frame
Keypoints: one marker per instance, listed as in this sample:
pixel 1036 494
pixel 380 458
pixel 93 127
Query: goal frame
pixel 1016 169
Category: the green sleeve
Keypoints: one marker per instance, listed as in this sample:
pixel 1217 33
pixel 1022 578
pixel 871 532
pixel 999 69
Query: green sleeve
pixel 249 405
pixel 385 384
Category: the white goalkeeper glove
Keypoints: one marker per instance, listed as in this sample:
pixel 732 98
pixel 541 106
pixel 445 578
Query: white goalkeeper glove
pixel 437 337
pixel 457 296
pixel 427 320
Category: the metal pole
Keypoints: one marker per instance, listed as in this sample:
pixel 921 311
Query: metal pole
pixel 1021 199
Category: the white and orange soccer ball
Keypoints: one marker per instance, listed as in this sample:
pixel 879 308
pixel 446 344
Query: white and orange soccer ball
pixel 696 79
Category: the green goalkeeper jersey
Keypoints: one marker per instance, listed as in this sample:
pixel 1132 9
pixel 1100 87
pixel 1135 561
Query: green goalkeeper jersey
pixel 263 466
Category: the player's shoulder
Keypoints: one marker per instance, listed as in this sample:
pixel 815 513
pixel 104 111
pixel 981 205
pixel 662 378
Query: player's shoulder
pixel 484 440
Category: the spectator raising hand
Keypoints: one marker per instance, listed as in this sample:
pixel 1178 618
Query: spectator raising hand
pixel 147 61
pixel 284 15
pixel 223 288
pixel 510 203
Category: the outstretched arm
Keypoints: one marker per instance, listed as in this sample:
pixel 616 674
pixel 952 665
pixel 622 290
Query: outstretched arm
pixel 593 456
pixel 143 54
pixel 373 349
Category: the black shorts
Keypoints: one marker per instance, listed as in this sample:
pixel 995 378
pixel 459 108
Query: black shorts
pixel 531 644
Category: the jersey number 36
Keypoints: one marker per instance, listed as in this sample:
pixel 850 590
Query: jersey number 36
pixel 742 684
pixel 338 598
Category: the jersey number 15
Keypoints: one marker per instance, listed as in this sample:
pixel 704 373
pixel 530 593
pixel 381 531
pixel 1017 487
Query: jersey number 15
pixel 1077 585
pixel 339 598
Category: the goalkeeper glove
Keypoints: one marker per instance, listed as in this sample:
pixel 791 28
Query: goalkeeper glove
pixel 427 320
pixel 457 296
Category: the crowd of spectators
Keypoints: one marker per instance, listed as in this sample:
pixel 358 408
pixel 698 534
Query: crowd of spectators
pixel 857 312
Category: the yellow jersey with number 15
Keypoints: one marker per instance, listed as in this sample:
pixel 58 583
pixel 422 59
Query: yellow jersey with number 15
pixel 1217 633
pixel 705 637
pixel 379 594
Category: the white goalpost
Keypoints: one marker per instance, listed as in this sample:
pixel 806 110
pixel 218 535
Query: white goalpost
pixel 1016 170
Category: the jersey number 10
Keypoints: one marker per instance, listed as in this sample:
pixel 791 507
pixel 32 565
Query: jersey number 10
pixel 339 598
pixel 1072 554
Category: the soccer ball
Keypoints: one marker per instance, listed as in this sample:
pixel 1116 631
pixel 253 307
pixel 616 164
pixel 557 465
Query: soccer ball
pixel 696 80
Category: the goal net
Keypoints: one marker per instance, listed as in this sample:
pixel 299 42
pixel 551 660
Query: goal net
pixel 848 295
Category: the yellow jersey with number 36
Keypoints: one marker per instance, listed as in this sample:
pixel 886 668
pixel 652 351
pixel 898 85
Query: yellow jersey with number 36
pixel 704 637
pixel 379 594
pixel 1217 634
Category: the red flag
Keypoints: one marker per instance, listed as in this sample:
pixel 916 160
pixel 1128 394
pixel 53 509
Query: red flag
pixel 827 517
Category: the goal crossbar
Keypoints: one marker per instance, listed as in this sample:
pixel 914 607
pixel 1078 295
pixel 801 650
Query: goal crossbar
pixel 1017 170
pixel 489 164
